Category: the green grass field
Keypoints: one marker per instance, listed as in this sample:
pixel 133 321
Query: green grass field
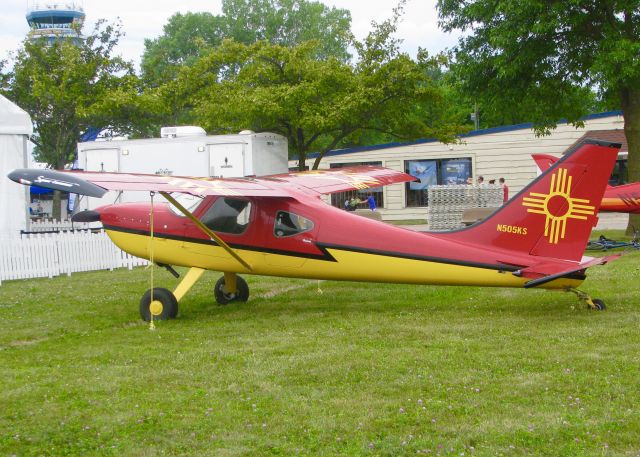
pixel 361 369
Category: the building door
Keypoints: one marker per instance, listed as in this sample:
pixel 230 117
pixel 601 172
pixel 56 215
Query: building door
pixel 105 160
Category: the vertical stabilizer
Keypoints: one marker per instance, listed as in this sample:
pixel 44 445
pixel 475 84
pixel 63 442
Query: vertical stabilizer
pixel 554 215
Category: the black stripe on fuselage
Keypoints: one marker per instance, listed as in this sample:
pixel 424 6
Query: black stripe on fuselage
pixel 246 247
pixel 401 255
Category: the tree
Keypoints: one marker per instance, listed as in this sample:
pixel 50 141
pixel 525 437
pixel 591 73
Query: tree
pixel 318 100
pixel 290 22
pixel 318 103
pixel 187 37
pixel 70 87
pixel 545 55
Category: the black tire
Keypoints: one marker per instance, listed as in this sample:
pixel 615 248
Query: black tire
pixel 599 304
pixel 167 300
pixel 242 292
pixel 595 246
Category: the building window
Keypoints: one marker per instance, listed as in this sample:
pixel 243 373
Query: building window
pixel 339 199
pixel 431 172
pixel 620 173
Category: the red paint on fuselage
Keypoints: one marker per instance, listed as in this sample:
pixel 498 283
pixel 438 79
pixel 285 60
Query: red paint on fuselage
pixel 332 227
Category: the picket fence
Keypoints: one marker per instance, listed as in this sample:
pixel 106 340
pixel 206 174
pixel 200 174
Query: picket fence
pixel 50 225
pixel 44 255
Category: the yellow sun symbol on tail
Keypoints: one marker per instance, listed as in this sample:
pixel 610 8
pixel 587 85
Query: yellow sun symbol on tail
pixel 558 206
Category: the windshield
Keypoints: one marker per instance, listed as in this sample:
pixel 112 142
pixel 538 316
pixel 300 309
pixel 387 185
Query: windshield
pixel 190 202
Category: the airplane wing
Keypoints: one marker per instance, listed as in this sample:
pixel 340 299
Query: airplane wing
pixel 97 184
pixel 344 179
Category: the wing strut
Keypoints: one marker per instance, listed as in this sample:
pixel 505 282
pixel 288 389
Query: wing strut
pixel 206 230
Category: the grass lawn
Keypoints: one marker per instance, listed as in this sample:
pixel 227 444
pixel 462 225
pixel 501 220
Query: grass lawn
pixel 361 369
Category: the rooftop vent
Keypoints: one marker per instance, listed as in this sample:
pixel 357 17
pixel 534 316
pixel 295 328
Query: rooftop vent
pixel 182 131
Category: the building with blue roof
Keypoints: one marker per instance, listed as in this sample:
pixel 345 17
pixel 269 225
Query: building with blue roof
pixel 499 152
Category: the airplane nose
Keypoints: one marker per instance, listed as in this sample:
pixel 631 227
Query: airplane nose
pixel 86 216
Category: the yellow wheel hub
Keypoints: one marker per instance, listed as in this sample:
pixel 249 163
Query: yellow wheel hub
pixel 156 307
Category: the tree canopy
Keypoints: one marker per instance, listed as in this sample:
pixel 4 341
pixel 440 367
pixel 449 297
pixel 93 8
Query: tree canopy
pixel 547 57
pixel 318 103
pixel 71 87
pixel 187 37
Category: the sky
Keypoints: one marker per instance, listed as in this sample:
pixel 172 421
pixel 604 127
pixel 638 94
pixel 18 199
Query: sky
pixel 145 18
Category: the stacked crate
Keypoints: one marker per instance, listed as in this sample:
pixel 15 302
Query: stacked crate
pixel 447 203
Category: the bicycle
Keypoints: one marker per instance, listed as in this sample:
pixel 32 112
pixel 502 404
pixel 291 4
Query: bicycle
pixel 604 244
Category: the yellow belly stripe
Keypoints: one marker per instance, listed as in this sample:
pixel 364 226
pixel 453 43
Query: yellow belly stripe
pixel 348 265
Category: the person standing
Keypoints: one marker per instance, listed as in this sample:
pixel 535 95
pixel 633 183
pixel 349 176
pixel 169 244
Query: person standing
pixel 372 202
pixel 505 190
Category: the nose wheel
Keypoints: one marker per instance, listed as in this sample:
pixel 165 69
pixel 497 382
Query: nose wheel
pixel 231 287
pixel 162 306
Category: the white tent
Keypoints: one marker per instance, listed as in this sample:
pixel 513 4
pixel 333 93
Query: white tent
pixel 15 129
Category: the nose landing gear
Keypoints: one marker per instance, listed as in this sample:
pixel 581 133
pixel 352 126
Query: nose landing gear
pixel 161 304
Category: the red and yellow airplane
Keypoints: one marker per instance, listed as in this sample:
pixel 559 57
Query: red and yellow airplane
pixel 617 199
pixel 280 226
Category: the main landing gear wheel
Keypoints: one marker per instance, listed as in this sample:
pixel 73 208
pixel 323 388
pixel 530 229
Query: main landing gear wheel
pixel 598 304
pixel 164 305
pixel 223 297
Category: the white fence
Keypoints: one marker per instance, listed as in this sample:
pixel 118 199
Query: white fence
pixel 53 254
pixel 50 225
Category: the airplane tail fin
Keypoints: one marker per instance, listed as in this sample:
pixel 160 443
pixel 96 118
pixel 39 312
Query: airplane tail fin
pixel 544 161
pixel 554 215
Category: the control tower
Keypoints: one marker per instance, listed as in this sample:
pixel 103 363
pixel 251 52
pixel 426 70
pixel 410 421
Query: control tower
pixel 55 20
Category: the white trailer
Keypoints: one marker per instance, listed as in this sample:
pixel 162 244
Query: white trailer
pixel 184 151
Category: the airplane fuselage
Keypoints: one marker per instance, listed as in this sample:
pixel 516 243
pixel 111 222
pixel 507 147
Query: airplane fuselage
pixel 330 244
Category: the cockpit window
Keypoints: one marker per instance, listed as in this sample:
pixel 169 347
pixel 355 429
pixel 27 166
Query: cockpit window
pixel 289 224
pixel 190 202
pixel 228 215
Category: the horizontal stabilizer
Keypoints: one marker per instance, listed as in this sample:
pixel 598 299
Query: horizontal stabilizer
pixel 581 267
